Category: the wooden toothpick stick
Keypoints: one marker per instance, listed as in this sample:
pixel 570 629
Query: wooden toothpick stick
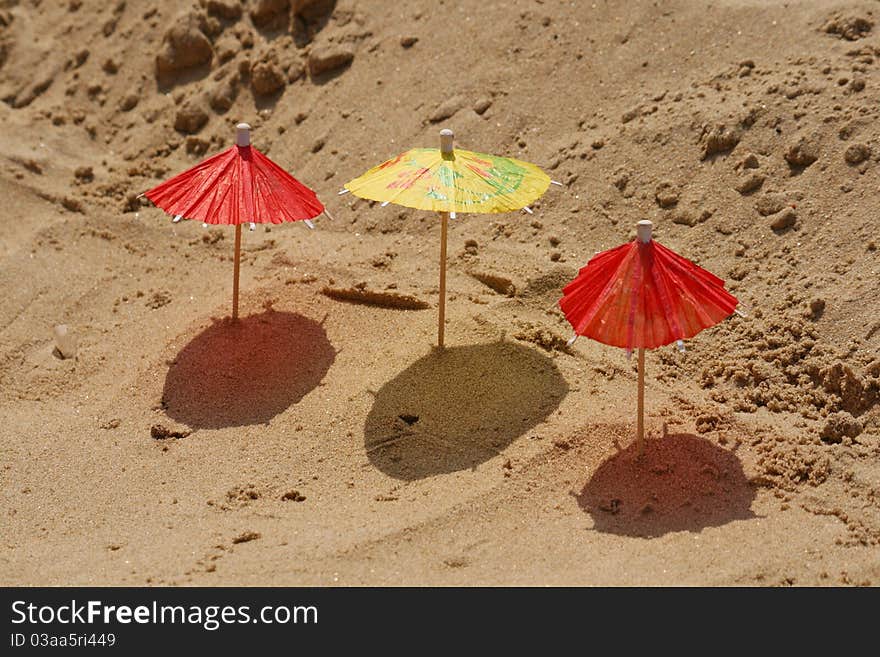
pixel 242 139
pixel 441 314
pixel 643 231
pixel 235 269
pixel 446 148
pixel 640 422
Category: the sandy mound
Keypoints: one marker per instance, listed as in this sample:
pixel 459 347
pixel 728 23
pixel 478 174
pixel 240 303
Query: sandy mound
pixel 322 440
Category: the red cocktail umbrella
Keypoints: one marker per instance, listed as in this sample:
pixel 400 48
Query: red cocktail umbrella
pixel 237 186
pixel 641 295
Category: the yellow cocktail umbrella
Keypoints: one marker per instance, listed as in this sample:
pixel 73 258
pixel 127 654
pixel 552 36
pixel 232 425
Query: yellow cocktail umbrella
pixel 450 180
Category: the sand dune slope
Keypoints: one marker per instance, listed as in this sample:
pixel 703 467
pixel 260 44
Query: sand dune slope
pixel 322 439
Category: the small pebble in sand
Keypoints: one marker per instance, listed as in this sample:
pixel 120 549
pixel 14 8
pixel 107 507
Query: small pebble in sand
pixel 750 161
pixel 266 78
pixel 666 195
pixel 691 216
pixel 84 174
pixel 838 426
pixel 770 204
pixel 184 46
pixel 265 12
pixel 129 102
pixel 190 118
pixel 482 105
pixel 330 57
pixel 196 145
pixel 447 109
pixel 801 154
pixel 222 96
pixel 246 537
pixel 293 496
pixel 784 220
pixel 161 432
pixel 857 153
pixel 750 184
pixel 719 139
pixel 72 204
pixel 228 9
pixel 850 28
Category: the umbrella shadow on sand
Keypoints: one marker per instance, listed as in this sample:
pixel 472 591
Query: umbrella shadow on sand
pixel 243 372
pixel 682 483
pixel 458 407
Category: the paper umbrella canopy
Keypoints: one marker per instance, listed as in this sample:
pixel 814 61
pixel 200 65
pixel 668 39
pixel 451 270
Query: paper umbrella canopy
pixel 237 186
pixel 450 180
pixel 642 295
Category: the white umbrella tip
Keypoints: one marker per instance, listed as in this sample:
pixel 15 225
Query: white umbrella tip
pixel 446 137
pixel 243 134
pixel 644 229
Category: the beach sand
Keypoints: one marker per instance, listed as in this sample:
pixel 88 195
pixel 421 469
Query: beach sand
pixel 320 441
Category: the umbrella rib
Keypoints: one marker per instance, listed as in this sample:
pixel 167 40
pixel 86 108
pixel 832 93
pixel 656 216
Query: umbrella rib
pixel 205 187
pixel 600 300
pixel 502 190
pixel 209 185
pixel 381 174
pixel 401 190
pixel 677 273
pixel 218 198
pixel 249 195
pixel 304 195
pixel 511 185
pixel 614 299
pixel 636 294
pixel 271 202
pixel 178 187
pixel 262 196
pixel 659 277
pixel 235 186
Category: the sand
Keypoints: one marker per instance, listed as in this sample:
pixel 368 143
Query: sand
pixel 322 439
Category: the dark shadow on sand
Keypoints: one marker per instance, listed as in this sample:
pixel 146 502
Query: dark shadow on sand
pixel 682 483
pixel 310 20
pixel 458 407
pixel 242 372
pixel 168 81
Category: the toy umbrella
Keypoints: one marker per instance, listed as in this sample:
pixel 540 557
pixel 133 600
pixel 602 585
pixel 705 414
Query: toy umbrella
pixel 449 181
pixel 641 295
pixel 237 186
